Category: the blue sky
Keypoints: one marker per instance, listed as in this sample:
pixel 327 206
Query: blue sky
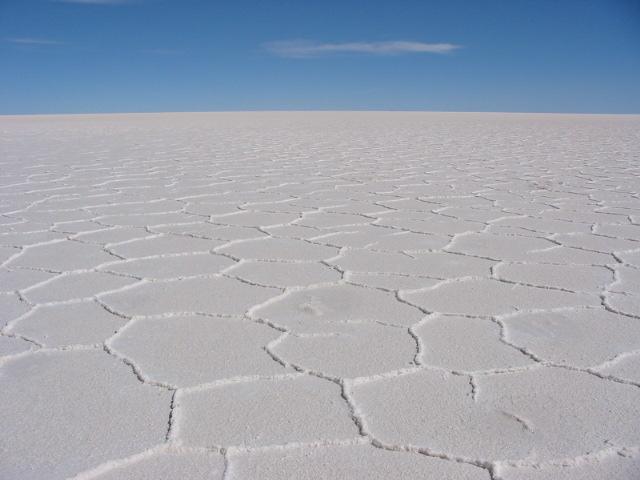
pixel 80 56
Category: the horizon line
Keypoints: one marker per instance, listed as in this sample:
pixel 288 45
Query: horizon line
pixel 177 112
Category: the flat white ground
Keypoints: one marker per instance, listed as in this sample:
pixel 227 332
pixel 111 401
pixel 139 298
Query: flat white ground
pixel 320 296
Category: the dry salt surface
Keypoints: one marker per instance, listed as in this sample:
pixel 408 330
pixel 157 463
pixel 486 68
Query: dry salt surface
pixel 320 296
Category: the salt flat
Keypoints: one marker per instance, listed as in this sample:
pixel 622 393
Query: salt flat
pixel 320 296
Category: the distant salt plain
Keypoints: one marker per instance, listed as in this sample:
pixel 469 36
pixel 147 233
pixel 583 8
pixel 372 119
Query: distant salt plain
pixel 320 296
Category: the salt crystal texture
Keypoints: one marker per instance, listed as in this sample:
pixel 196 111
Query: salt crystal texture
pixel 320 296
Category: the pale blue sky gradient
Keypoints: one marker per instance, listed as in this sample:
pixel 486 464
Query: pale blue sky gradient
pixel 83 56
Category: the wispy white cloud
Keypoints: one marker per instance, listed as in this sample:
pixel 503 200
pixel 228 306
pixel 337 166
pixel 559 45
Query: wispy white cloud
pixel 162 51
pixel 95 2
pixel 306 49
pixel 33 41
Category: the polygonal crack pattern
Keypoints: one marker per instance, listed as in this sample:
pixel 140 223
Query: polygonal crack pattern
pixel 401 296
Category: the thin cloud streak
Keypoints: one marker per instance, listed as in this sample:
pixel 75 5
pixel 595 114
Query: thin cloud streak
pixel 162 51
pixel 33 41
pixel 95 2
pixel 307 49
